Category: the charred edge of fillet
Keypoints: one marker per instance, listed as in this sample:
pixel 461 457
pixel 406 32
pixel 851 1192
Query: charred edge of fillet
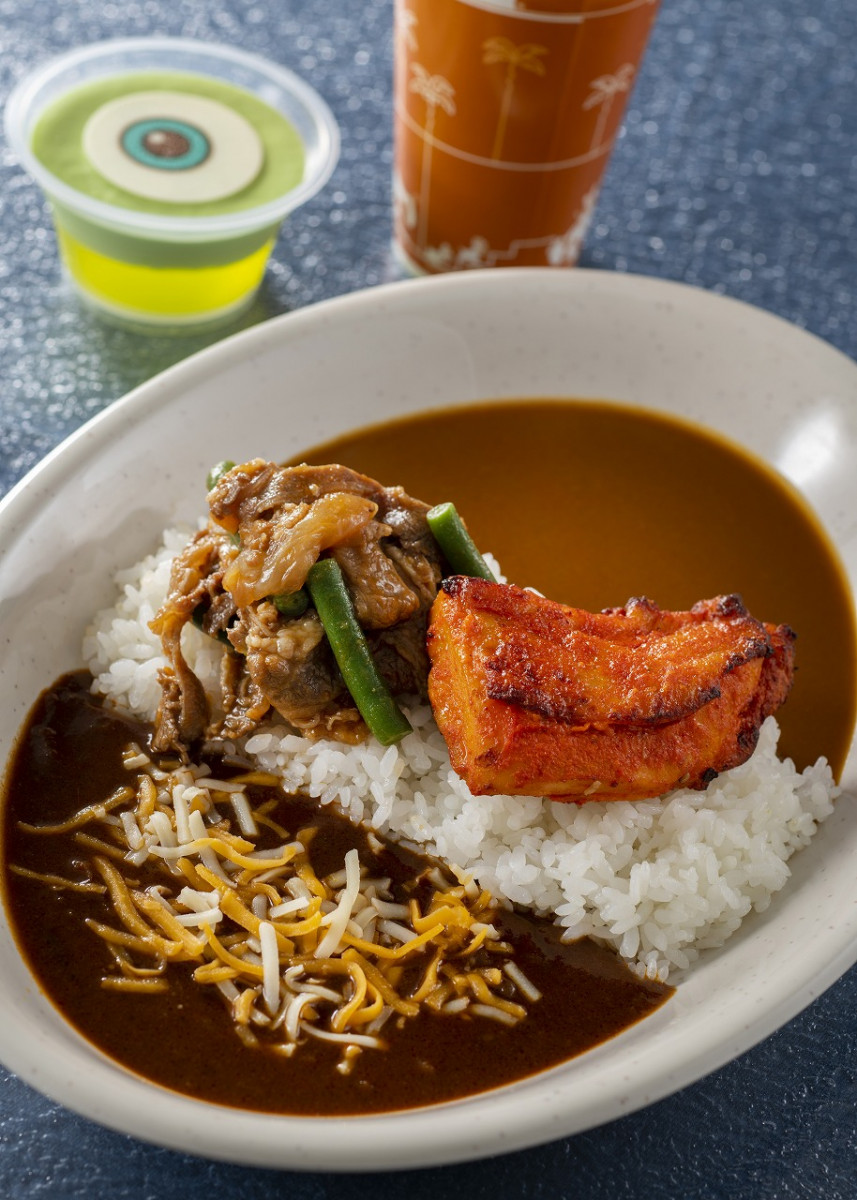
pixel 726 606
pixel 536 701
pixel 632 603
pixel 455 585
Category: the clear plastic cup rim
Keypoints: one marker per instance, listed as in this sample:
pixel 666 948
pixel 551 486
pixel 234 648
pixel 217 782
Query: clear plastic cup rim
pixel 298 101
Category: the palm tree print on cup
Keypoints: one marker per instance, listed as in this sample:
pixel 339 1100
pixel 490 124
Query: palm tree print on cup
pixel 437 93
pixel 605 89
pixel 526 57
pixel 406 23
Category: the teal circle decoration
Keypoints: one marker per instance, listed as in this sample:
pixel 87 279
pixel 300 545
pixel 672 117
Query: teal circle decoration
pixel 166 144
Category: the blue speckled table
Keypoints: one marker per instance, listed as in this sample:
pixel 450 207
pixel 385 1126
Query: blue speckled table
pixel 736 171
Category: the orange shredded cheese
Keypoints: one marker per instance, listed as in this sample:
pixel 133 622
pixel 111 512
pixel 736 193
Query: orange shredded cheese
pixel 292 954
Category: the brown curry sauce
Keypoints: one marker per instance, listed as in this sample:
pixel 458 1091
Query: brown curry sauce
pixel 70 755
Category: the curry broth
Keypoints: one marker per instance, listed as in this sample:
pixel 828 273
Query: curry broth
pixel 69 756
pixel 593 503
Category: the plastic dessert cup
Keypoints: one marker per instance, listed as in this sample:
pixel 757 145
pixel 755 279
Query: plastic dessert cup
pixel 170 166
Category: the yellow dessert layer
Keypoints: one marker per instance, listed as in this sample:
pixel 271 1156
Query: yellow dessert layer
pixel 162 292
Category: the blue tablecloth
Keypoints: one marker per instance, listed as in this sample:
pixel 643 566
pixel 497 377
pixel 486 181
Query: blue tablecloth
pixel 737 171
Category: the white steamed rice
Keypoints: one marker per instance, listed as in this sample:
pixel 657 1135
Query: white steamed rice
pixel 659 880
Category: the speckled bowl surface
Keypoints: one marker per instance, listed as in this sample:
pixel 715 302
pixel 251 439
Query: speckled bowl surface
pixel 100 500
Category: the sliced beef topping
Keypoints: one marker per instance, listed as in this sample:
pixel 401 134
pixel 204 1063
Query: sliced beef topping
pixel 380 594
pixel 285 517
pixel 277 550
pixel 401 657
pixel 290 663
pixel 195 584
pixel 268 525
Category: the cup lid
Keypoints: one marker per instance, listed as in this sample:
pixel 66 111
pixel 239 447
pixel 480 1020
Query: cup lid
pixel 277 87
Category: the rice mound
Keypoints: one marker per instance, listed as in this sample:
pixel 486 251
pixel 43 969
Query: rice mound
pixel 658 880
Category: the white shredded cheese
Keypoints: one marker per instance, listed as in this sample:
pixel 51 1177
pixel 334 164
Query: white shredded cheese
pixel 244 814
pixel 342 914
pixel 270 966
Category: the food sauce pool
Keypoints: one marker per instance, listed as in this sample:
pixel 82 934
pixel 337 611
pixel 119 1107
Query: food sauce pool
pixel 71 756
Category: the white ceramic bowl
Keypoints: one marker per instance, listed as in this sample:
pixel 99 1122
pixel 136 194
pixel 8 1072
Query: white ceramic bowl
pixel 100 500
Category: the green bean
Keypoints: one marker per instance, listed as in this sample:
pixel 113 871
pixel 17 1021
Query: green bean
pixel 291 604
pixel 351 650
pixel 457 545
pixel 217 472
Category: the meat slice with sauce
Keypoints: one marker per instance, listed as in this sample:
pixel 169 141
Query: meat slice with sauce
pixel 195 587
pixel 536 698
pixel 285 517
pixel 268 525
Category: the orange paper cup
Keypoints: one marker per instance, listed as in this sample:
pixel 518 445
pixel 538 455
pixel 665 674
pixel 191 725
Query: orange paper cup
pixel 504 121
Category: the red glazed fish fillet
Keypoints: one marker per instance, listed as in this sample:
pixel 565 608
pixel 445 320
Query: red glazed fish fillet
pixel 535 698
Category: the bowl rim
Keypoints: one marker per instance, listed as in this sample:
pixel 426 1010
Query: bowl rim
pixel 531 1109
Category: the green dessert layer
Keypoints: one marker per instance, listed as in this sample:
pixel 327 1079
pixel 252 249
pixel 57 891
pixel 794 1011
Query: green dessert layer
pixel 56 142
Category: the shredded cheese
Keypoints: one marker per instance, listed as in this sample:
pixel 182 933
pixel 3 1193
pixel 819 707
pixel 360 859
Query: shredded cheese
pixel 292 955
